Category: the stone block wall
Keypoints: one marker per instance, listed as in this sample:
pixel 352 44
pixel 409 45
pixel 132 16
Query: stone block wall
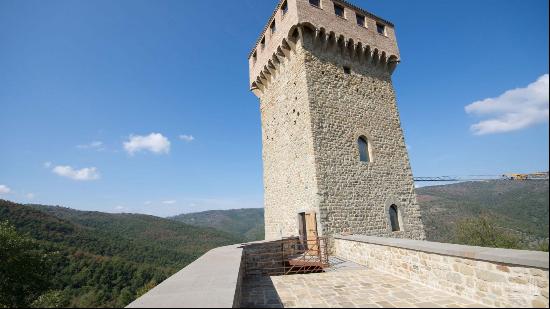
pixel 289 170
pixel 355 196
pixel 313 113
pixel 493 277
pixel 264 257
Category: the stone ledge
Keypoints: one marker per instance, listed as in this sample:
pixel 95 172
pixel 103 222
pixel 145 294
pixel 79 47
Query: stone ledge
pixel 209 282
pixel 506 256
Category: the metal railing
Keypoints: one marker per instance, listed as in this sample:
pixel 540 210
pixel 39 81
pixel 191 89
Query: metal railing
pixel 288 256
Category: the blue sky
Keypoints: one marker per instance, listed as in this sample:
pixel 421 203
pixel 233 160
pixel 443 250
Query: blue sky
pixel 143 106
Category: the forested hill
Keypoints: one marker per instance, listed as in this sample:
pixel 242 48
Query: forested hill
pixel 516 207
pixel 106 260
pixel 247 223
pixel 520 207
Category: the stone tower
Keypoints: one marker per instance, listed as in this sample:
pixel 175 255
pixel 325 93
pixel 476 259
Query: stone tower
pixel 333 148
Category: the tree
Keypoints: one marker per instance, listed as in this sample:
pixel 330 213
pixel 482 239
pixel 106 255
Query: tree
pixel 24 269
pixel 51 299
pixel 484 233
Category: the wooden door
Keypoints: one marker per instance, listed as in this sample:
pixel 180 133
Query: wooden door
pixel 311 230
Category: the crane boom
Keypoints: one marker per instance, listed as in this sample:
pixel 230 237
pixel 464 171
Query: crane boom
pixel 508 176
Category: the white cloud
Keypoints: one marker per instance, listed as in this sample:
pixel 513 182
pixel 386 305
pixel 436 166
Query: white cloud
pixel 47 164
pixel 30 196
pixel 95 145
pixel 513 110
pixel 4 189
pixel 120 208
pixel 169 202
pixel 154 142
pixel 187 138
pixel 84 174
pixel 147 203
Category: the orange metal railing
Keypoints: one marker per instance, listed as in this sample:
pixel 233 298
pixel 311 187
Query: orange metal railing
pixel 288 256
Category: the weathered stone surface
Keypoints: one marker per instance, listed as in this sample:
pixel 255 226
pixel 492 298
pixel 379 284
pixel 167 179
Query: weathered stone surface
pixel 218 270
pixel 491 282
pixel 316 101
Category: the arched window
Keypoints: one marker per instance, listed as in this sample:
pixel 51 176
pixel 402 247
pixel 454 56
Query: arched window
pixel 364 146
pixel 394 218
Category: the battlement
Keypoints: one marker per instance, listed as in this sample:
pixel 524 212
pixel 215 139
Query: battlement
pixel 338 23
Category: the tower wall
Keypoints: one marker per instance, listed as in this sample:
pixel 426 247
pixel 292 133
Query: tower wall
pixel 355 196
pixel 313 112
pixel 289 162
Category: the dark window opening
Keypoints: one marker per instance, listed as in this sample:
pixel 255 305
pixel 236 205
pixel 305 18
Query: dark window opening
pixel 262 43
pixel 255 56
pixel 302 228
pixel 347 70
pixel 273 27
pixel 381 29
pixel 316 3
pixel 360 20
pixel 339 10
pixel 394 218
pixel 363 145
pixel 284 8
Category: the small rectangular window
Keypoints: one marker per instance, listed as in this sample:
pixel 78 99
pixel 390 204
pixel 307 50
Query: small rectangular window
pixel 381 29
pixel 284 8
pixel 339 10
pixel 316 3
pixel 273 27
pixel 360 20
pixel 255 56
pixel 262 42
pixel 347 70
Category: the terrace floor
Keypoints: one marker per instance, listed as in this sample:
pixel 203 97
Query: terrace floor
pixel 345 285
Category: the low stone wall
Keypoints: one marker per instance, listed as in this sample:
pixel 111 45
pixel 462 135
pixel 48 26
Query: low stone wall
pixel 263 257
pixel 212 281
pixel 215 279
pixel 494 277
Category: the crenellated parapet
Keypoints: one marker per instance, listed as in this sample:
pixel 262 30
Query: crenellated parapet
pixel 357 36
pixel 325 42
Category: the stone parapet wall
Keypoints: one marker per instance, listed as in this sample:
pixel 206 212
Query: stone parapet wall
pixel 219 270
pixel 494 277
pixel 261 256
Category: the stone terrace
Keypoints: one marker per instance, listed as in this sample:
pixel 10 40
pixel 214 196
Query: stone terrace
pixel 367 272
pixel 345 285
pixel 361 289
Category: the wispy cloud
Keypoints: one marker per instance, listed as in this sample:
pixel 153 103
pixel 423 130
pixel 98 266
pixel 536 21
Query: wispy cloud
pixel 4 189
pixel 513 110
pixel 84 174
pixel 169 202
pixel 154 142
pixel 187 138
pixel 47 164
pixel 30 196
pixel 95 145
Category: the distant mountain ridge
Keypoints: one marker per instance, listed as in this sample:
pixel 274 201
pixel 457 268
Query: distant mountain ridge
pixel 247 223
pixel 518 206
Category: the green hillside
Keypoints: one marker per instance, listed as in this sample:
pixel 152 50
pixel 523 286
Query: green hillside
pixel 519 207
pixel 246 223
pixel 106 260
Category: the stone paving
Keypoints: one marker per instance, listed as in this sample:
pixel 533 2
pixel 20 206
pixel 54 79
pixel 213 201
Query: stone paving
pixel 345 285
pixel 259 292
pixel 361 288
